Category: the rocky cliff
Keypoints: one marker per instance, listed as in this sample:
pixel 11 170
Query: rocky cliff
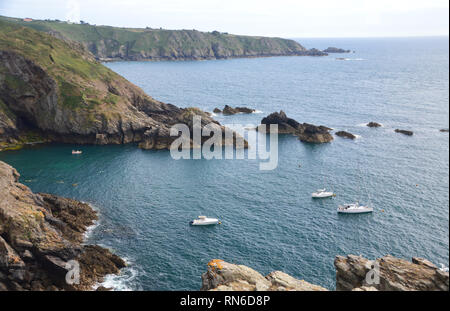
pixel 306 132
pixel 224 276
pixel 392 274
pixel 116 43
pixel 57 91
pixel 40 234
pixel 352 273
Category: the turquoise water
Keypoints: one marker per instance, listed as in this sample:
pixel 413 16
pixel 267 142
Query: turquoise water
pixel 146 199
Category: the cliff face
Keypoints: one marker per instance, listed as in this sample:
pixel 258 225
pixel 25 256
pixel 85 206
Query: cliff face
pixel 40 234
pixel 114 43
pixel 57 89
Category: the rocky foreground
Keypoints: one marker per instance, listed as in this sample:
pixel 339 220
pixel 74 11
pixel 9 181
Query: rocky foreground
pixel 40 234
pixel 351 275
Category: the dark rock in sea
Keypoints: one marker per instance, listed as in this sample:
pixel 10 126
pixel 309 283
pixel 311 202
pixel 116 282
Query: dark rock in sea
pixel 40 234
pixel 345 134
pixel 394 274
pixel 405 132
pixel 315 52
pixel 306 132
pixel 373 124
pixel 336 50
pixel 443 130
pixel 227 110
pixel 217 110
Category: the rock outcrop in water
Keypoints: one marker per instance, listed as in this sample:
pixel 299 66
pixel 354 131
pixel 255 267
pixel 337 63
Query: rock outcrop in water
pixel 345 134
pixel 224 276
pixel 56 91
pixel 40 234
pixel 373 124
pixel 394 274
pixel 306 132
pixel 405 132
pixel 227 110
pixel 335 50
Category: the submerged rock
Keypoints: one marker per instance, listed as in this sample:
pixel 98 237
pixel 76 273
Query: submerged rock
pixel 345 134
pixel 217 110
pixel 40 234
pixel 306 132
pixel 443 130
pixel 224 276
pixel 373 124
pixel 394 274
pixel 404 132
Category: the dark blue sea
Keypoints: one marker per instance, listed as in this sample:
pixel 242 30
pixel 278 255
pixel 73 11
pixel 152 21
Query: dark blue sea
pixel 146 199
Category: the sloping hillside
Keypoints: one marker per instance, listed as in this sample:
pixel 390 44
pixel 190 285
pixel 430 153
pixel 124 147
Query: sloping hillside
pixel 58 91
pixel 114 43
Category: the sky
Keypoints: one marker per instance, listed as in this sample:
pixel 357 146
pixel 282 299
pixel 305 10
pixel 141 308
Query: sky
pixel 282 18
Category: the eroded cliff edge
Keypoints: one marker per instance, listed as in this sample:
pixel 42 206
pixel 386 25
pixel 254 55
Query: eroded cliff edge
pixel 54 90
pixel 40 234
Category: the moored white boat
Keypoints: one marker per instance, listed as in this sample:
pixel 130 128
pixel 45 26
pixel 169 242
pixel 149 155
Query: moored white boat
pixel 204 221
pixel 77 152
pixel 354 208
pixel 322 193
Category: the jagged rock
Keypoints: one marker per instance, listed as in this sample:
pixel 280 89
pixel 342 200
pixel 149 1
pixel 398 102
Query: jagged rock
pixel 345 134
pixel 306 132
pixel 335 50
pixel 405 132
pixel 373 124
pixel 394 274
pixel 217 110
pixel 224 276
pixel 48 232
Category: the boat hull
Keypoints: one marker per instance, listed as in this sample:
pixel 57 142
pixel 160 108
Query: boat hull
pixel 322 195
pixel 355 211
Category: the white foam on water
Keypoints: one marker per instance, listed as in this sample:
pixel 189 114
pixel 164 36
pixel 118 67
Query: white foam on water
pixel 92 227
pixel 443 268
pixel 122 281
pixel 257 111
pixel 213 114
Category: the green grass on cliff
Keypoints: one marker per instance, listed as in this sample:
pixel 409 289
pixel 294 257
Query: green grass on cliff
pixel 74 70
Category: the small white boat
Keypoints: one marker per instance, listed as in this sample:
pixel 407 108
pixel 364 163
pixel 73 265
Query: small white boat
pixel 205 221
pixel 77 152
pixel 322 193
pixel 354 208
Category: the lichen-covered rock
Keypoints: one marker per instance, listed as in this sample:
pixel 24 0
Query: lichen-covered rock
pixel 306 132
pixel 394 274
pixel 40 234
pixel 224 276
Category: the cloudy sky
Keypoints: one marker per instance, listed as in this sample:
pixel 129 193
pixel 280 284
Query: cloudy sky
pixel 284 18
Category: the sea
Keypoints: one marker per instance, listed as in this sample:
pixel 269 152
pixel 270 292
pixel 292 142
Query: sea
pixel 145 199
